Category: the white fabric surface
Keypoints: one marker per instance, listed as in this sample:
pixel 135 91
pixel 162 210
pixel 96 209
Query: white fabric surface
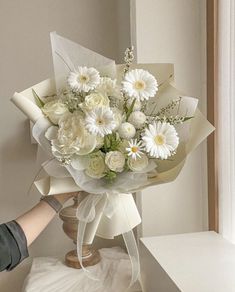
pixel 50 274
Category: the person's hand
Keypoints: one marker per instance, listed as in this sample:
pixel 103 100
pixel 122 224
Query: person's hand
pixel 62 198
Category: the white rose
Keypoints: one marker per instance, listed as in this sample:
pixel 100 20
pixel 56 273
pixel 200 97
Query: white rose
pixel 96 166
pixel 137 105
pixel 55 110
pixel 139 163
pixel 137 119
pixel 126 131
pixel 95 100
pixel 72 137
pixel 115 161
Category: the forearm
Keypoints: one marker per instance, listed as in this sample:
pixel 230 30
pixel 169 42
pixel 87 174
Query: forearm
pixel 35 220
pixel 16 235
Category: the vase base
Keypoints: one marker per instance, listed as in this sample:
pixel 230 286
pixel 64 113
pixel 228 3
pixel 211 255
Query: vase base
pixel 91 259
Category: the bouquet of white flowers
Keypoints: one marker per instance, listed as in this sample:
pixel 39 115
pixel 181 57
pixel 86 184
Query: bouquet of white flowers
pixel 109 130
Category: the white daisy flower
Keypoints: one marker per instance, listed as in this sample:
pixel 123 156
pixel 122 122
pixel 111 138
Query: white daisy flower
pixel 100 121
pixel 161 140
pixel 84 79
pixel 140 84
pixel 135 148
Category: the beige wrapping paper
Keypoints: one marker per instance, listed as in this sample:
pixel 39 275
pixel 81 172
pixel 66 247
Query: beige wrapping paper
pixel 199 129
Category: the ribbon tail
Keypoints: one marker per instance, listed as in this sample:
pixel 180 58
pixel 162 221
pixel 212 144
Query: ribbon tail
pixel 133 253
pixel 80 238
pixel 86 214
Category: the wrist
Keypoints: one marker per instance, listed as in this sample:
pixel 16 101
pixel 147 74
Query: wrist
pixel 52 202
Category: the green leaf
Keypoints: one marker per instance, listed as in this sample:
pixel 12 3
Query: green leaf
pixel 110 175
pixel 38 100
pixel 130 110
pixel 187 118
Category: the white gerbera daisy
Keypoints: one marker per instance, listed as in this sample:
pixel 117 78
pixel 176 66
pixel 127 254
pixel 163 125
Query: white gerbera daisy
pixel 161 140
pixel 100 121
pixel 84 79
pixel 140 84
pixel 135 148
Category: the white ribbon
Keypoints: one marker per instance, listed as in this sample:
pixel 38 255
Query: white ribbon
pixel 86 213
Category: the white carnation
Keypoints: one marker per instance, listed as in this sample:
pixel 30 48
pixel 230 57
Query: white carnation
pixel 108 86
pixel 115 161
pixel 55 110
pixel 138 163
pixel 126 131
pixel 72 137
pixel 137 119
pixel 96 167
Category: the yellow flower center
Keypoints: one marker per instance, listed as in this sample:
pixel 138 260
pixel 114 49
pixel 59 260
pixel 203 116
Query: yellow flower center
pixel 139 85
pixel 83 78
pixel 159 139
pixel 134 149
pixel 99 121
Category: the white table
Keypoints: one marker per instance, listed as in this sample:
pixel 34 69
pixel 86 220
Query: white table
pixel 51 275
pixel 195 262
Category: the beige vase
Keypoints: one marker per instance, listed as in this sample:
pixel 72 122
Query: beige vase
pixel 90 256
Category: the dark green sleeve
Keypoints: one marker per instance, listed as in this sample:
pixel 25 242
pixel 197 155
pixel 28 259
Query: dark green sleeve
pixel 13 245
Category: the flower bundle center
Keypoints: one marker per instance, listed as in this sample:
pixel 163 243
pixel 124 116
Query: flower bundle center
pixel 99 121
pixel 134 149
pixel 83 78
pixel 159 140
pixel 139 85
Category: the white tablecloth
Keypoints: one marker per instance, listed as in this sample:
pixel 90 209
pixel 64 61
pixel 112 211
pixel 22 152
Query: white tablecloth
pixel 51 275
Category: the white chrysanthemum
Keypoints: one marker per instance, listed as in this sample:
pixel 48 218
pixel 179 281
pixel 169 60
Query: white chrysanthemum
pixel 161 140
pixel 137 119
pixel 134 148
pixel 84 79
pixel 126 131
pixel 140 84
pixel 100 121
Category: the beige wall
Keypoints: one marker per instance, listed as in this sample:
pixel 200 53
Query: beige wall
pixel 25 59
pixel 174 32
